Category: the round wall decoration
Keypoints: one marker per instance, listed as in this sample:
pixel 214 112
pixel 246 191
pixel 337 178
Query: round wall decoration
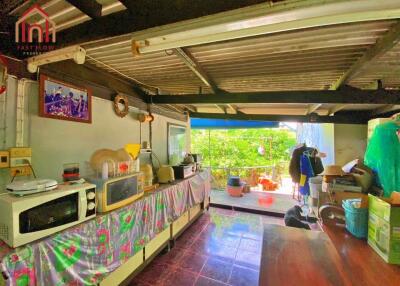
pixel 121 99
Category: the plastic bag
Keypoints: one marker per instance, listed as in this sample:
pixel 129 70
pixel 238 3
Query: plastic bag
pixel 383 156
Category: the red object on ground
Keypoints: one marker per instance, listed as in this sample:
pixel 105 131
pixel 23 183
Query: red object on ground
pixel 268 185
pixel 266 202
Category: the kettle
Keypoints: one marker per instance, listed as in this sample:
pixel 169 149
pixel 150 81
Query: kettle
pixel 165 174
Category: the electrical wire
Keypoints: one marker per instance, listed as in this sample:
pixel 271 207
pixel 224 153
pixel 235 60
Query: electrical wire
pixel 33 171
pixel 30 166
pixel 118 72
pixel 158 160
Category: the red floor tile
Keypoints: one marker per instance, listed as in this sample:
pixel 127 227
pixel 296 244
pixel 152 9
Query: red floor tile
pixel 154 274
pixel 227 240
pixel 184 242
pixel 180 277
pixel 217 270
pixel 192 261
pixel 248 259
pixel 253 235
pixel 220 248
pixel 173 257
pixel 136 282
pixel 243 277
pixel 204 281
pixel 215 249
pixel 250 245
pixel 224 253
pixel 207 231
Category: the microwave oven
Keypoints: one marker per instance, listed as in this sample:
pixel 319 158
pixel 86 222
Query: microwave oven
pixel 116 192
pixel 24 219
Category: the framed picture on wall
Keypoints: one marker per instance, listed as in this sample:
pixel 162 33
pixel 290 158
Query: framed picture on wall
pixel 64 101
pixel 176 144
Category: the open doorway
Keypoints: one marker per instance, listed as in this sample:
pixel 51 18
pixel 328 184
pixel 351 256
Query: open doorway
pixel 258 154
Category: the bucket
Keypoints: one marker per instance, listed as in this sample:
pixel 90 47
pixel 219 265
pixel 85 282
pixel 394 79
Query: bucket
pixel 315 184
pixel 234 191
pixel 356 218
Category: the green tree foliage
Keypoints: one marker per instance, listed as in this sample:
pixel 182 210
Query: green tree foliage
pixel 239 147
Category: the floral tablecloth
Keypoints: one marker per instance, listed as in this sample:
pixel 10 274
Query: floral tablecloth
pixel 85 254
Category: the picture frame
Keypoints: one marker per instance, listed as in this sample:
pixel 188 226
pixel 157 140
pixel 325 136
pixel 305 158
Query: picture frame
pixel 65 101
pixel 176 143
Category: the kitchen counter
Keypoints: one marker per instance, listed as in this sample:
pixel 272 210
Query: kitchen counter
pixel 87 253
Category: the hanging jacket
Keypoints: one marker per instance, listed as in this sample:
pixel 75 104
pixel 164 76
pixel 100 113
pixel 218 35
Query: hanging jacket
pixel 306 174
pixel 316 163
pixel 294 165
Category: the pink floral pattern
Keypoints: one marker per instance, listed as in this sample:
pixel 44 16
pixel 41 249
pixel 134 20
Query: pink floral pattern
pixel 85 254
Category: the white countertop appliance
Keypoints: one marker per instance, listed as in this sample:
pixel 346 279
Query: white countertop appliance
pixel 24 219
pixel 27 187
pixel 113 193
pixel 165 174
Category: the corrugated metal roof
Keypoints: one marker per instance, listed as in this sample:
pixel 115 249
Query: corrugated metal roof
pixel 308 59
pixel 385 68
pixel 158 70
pixel 298 60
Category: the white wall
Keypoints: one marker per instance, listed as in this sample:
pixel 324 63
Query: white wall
pixel 319 136
pixel 341 142
pixel 350 142
pixel 55 142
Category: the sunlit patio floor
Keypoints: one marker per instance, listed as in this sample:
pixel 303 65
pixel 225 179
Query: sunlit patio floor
pixel 271 202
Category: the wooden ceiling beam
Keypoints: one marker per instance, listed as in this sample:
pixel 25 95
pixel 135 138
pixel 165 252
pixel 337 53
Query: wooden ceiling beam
pixel 190 61
pixel 335 109
pixel 89 7
pixel 190 108
pixel 313 107
pixel 176 108
pixel 342 96
pixel 353 117
pixel 232 108
pixel 384 44
pixel 386 110
pixel 195 67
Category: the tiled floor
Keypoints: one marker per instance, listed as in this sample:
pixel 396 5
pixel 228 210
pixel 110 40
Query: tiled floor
pixel 222 247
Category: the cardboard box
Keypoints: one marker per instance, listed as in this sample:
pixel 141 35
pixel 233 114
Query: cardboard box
pixel 384 228
pixel 337 198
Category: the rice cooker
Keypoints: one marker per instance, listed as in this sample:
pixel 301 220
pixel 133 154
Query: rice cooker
pixel 165 174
